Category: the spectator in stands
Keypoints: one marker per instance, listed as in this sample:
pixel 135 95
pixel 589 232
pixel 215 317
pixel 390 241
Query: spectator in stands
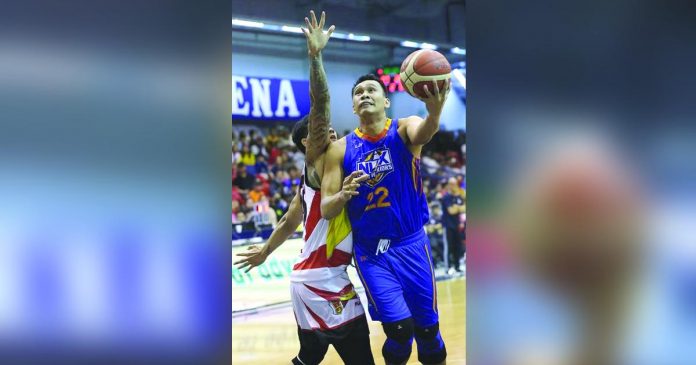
pixel 275 165
pixel 237 140
pixel 235 210
pixel 265 184
pixel 272 138
pixel 297 158
pixel 258 148
pixel 279 205
pixel 277 184
pixel 435 233
pixel 284 140
pixel 239 218
pixel 243 138
pixel 289 163
pixel 262 214
pixel 452 167
pixel 453 206
pixel 261 165
pixel 252 135
pixel 236 155
pixel 237 195
pixel 430 164
pixel 248 158
pixel 244 181
pixel 295 176
pixel 257 193
pixel 439 191
pixel 274 152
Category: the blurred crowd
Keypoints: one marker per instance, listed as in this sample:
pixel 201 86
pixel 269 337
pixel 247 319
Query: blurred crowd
pixel 267 169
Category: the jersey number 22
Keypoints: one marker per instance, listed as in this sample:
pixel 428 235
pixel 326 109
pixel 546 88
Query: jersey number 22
pixel 380 194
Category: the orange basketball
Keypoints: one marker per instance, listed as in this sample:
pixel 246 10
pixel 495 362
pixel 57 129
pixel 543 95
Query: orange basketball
pixel 421 68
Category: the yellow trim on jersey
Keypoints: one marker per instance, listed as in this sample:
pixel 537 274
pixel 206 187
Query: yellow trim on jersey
pixel 381 134
pixel 413 174
pixel 339 229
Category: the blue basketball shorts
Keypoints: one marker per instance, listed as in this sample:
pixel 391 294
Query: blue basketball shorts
pixel 399 279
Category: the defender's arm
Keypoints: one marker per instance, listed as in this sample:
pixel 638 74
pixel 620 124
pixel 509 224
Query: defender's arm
pixel 337 191
pixel 319 115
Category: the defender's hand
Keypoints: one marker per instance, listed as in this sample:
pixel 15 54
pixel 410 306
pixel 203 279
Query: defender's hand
pixel 316 38
pixel 436 100
pixel 252 258
pixel 351 184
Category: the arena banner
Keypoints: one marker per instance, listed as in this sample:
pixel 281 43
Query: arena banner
pixel 269 99
pixel 269 283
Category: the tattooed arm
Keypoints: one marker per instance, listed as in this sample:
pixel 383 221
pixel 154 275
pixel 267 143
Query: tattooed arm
pixel 319 116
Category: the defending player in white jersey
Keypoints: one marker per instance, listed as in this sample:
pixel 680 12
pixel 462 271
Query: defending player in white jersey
pixel 326 307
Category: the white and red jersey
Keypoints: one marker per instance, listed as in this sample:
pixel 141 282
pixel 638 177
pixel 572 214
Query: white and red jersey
pixel 323 297
pixel 328 244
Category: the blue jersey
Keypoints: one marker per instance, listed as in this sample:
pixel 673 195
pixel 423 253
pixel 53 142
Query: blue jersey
pixel 391 204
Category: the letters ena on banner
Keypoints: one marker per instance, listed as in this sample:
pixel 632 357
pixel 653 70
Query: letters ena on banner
pixel 263 98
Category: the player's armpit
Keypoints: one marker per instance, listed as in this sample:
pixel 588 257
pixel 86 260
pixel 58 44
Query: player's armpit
pixel 420 131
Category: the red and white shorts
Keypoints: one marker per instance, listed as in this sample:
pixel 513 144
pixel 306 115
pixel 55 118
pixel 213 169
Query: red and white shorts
pixel 325 305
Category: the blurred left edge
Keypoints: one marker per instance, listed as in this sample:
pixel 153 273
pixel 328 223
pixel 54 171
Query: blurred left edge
pixel 114 183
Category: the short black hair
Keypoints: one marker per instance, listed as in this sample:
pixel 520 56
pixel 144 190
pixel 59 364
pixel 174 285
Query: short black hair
pixel 299 131
pixel 367 77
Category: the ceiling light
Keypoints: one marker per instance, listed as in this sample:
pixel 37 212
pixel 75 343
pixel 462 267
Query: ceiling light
pixel 247 23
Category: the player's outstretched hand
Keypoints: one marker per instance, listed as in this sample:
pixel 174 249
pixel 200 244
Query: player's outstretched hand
pixel 252 257
pixel 436 98
pixel 316 38
pixel 351 184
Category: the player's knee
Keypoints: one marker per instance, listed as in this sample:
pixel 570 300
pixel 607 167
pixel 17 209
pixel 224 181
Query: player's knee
pixel 431 348
pixel 400 331
pixel 397 348
pixel 427 333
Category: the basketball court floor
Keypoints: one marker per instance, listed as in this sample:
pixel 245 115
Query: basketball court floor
pixel 269 337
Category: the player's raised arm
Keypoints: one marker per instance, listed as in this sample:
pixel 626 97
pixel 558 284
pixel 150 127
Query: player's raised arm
pixel 319 116
pixel 255 256
pixel 420 131
pixel 336 191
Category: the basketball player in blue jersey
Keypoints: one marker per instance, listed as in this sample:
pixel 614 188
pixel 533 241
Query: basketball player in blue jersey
pixel 387 213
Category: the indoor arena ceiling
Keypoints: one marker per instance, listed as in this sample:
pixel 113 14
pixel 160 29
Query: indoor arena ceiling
pixel 387 22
